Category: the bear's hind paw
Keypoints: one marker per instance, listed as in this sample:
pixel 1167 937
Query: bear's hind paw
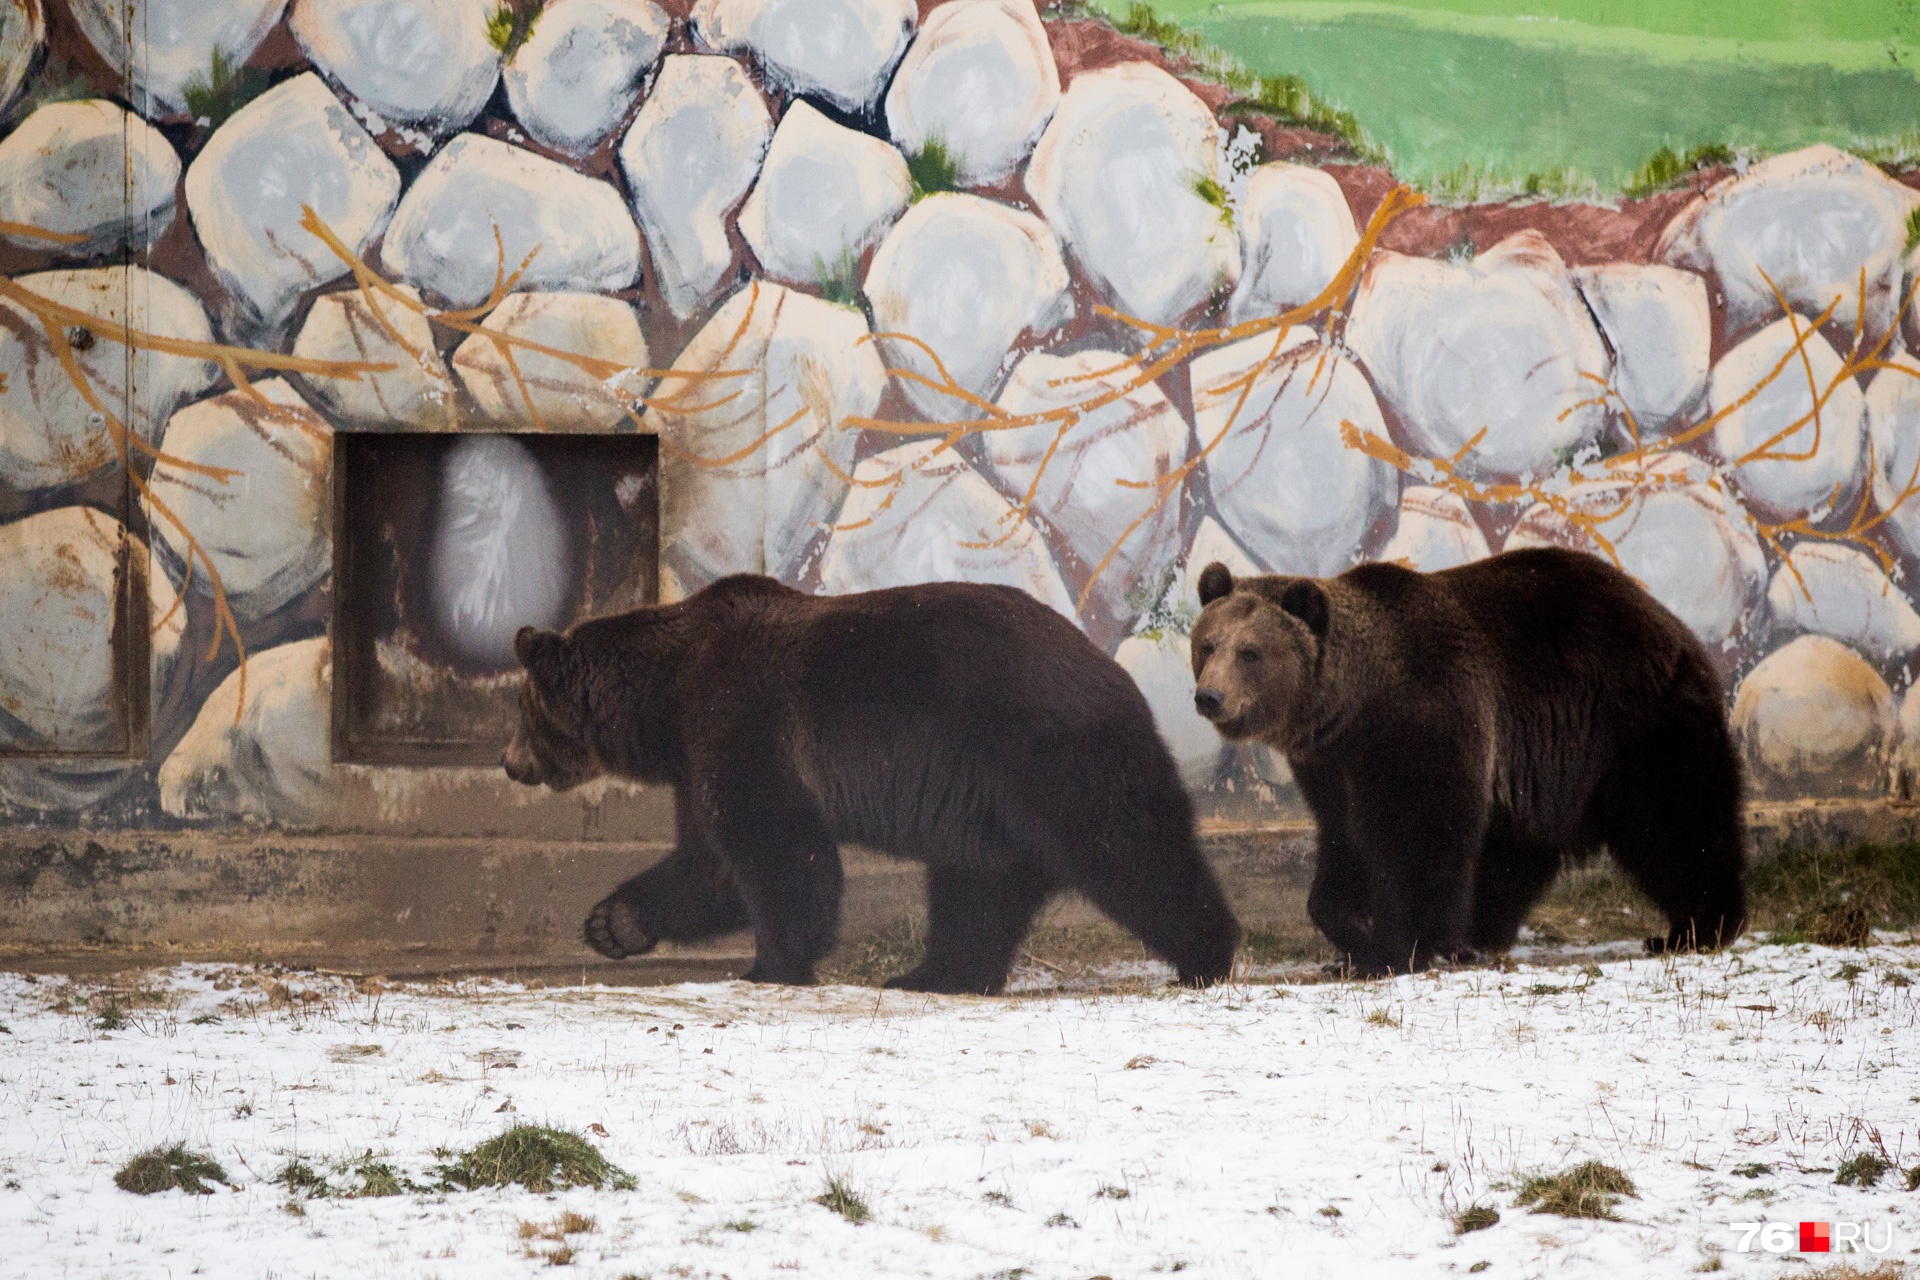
pixel 944 984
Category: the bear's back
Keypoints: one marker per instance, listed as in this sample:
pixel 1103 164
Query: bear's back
pixel 1550 609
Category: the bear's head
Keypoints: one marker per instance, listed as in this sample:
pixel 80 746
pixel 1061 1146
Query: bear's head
pixel 550 746
pixel 1256 655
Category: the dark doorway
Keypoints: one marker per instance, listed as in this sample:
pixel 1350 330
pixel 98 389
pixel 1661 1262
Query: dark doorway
pixel 446 544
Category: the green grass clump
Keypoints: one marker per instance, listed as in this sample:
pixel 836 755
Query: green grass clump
pixel 839 282
pixel 933 168
pixel 1476 1217
pixel 1208 188
pixel 1863 1170
pixel 1755 1170
pixel 168 1168
pixel 537 1157
pixel 378 1179
pixel 1667 167
pixel 1589 1190
pixel 1836 897
pixel 301 1178
pixel 844 1200
pixel 1913 230
pixel 227 87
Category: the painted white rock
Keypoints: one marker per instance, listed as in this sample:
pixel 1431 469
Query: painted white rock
pixel 825 194
pixel 417 394
pixel 264 756
pixel 1503 345
pixel 49 434
pixel 1436 531
pixel 1118 174
pixel 690 156
pixel 981 81
pixel 840 50
pixel 754 469
pixel 267 528
pixel 87 169
pixel 1102 491
pixel 571 83
pixel 23 33
pixel 967 278
pixel 164 47
pixel 1162 667
pixel 58 600
pixel 1811 221
pixel 499 555
pixel 1283 481
pixel 1814 719
pixel 1893 427
pixel 944 523
pixel 559 395
pixel 1827 589
pixel 442 236
pixel 1785 461
pixel 293 147
pixel 1296 232
pixel 427 63
pixel 1660 326
pixel 1906 752
pixel 1676 532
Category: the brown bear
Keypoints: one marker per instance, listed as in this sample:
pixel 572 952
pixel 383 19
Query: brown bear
pixel 1460 735
pixel 968 727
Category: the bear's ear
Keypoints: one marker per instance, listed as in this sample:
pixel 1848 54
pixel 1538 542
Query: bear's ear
pixel 1216 580
pixel 539 651
pixel 1305 600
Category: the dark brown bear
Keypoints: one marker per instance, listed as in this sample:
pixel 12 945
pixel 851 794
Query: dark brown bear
pixel 1461 735
pixel 968 727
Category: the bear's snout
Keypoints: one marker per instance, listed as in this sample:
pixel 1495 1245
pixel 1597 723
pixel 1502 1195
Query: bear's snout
pixel 518 762
pixel 1209 702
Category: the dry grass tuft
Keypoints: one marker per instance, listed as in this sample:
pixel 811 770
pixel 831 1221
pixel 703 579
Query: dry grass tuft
pixel 536 1157
pixel 1862 1170
pixel 841 1197
pixel 1850 1270
pixel 1589 1190
pixel 1476 1217
pixel 170 1168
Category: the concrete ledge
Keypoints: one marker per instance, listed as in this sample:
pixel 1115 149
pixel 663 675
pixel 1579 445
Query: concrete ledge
pixel 425 906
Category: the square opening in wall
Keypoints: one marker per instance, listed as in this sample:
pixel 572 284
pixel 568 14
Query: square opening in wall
pixel 446 545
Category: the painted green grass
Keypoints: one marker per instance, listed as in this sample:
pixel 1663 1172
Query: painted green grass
pixel 1479 97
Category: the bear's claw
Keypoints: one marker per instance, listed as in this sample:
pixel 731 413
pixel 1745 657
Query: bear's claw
pixel 613 929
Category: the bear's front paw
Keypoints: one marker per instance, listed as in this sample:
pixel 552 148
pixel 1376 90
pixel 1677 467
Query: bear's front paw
pixel 613 929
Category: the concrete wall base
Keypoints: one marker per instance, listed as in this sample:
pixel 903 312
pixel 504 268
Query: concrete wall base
pixel 422 906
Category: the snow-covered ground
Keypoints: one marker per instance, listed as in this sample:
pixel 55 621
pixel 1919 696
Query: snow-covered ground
pixel 1258 1130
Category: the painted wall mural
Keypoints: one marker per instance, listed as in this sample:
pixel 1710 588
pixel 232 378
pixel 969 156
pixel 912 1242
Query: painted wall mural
pixel 970 290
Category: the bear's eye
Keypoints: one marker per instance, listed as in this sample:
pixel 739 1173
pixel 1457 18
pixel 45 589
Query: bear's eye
pixel 1205 651
pixel 1247 655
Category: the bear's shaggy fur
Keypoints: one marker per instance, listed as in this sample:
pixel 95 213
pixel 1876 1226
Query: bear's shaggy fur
pixel 968 727
pixel 1459 735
